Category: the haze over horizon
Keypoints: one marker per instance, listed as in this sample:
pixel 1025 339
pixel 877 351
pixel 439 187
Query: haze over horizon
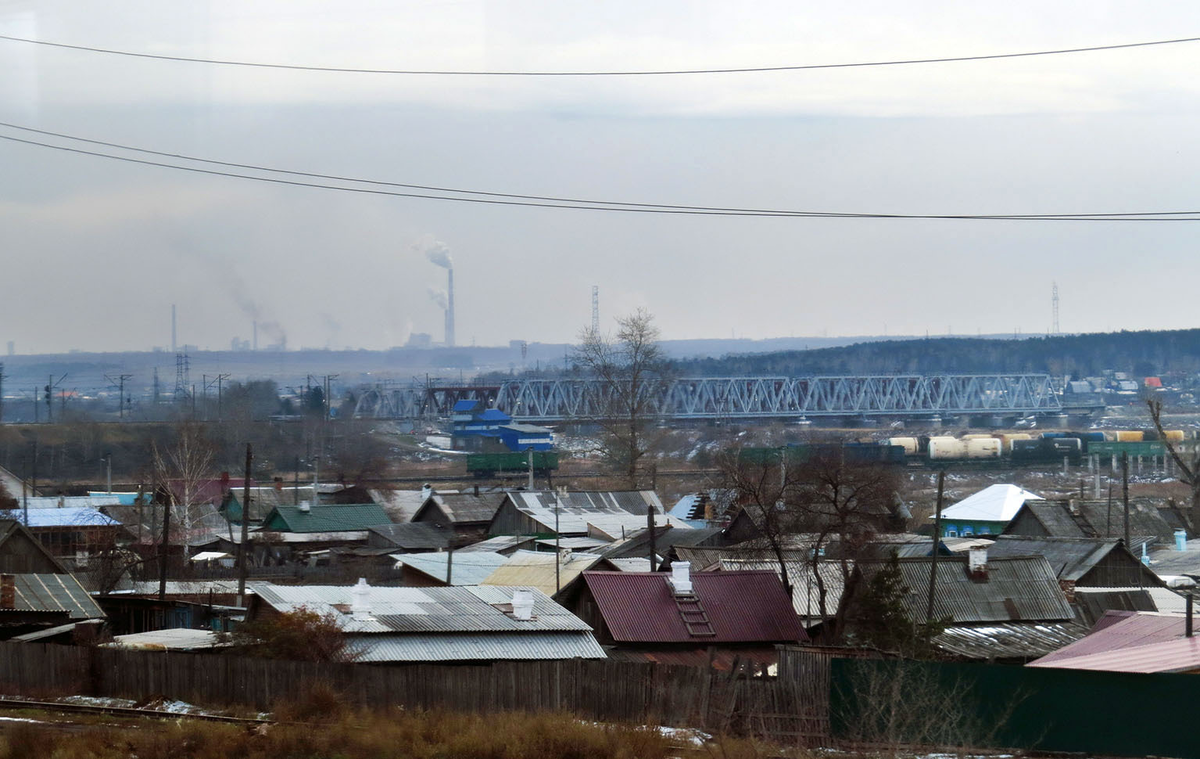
pixel 97 250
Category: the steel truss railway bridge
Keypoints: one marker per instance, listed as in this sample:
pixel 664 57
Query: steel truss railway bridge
pixel 728 398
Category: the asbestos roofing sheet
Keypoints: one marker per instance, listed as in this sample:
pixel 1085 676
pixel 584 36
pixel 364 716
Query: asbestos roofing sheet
pixel 453 609
pixel 529 568
pixel 1010 640
pixel 464 569
pixel 48 592
pixel 476 647
pixel 1013 589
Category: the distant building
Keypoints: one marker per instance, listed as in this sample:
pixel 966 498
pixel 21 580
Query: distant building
pixel 987 512
pixel 477 428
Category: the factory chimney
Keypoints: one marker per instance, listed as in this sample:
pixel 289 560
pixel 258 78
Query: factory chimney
pixel 450 310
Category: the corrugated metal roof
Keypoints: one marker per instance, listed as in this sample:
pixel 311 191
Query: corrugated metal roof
pixel 580 543
pixel 665 537
pixel 46 592
pixel 534 569
pixel 1100 519
pixel 742 607
pixel 470 569
pixel 325 518
pixel 70 516
pixel 505 544
pixel 92 502
pixel 805 593
pixel 638 564
pixel 1016 589
pixel 412 535
pixel 400 505
pixel 1009 640
pixel 173 639
pixel 1120 630
pixel 467 507
pixel 423 610
pixel 1070 558
pixel 181 588
pixel 1181 655
pixel 614 514
pixel 475 647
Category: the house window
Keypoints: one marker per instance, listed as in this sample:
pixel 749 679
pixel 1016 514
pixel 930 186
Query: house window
pixel 967 532
pixel 952 533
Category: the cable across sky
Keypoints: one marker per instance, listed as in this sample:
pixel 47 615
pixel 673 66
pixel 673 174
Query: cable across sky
pixel 458 195
pixel 613 73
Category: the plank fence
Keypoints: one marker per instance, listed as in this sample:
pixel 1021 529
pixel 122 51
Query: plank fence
pixel 792 706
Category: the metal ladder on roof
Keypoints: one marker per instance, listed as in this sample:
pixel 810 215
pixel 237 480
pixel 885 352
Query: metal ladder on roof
pixel 694 617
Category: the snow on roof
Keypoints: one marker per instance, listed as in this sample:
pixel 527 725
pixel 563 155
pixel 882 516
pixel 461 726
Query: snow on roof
pixel 996 503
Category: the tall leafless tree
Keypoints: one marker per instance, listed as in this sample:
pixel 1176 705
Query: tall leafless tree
pixel 629 367
pixel 808 499
pixel 1188 460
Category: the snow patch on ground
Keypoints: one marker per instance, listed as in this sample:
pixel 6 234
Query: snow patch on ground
pixel 21 719
pixel 684 735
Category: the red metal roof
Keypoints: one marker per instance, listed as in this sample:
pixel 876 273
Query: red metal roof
pixel 1180 655
pixel 742 607
pixel 1120 631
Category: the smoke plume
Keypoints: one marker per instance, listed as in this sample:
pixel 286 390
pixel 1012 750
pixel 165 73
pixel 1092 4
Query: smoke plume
pixel 439 297
pixel 436 251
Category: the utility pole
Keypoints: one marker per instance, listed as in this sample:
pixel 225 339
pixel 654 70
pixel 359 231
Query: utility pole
pixel 119 381
pixel 220 378
pixel 49 390
pixel 937 537
pixel 650 526
pixel 241 553
pixel 1 393
pixel 1125 496
pixel 165 548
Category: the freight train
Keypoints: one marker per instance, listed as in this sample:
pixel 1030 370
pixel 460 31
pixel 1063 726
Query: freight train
pixel 1018 449
pixel 501 464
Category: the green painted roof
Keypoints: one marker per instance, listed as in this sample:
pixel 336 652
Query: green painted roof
pixel 326 518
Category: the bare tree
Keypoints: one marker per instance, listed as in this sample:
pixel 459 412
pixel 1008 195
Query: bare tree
pixel 182 468
pixel 1188 461
pixel 629 367
pixel 810 499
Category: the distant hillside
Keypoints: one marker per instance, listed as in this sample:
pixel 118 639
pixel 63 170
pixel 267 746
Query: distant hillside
pixel 1140 353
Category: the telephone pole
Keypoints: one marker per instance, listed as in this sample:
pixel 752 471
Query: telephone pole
pixel 1 393
pixel 119 382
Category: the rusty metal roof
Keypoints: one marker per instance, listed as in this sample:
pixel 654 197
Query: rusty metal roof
pixel 742 607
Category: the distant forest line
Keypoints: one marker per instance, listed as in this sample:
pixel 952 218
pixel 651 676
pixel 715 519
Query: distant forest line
pixel 1148 353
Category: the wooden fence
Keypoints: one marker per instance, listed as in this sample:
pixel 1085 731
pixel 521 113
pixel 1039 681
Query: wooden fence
pixel 793 707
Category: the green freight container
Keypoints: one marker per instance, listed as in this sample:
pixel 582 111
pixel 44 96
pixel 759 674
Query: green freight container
pixel 1144 449
pixel 488 464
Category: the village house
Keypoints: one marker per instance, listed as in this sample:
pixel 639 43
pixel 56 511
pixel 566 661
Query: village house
pixel 39 598
pixel 704 619
pixel 454 624
pixel 610 515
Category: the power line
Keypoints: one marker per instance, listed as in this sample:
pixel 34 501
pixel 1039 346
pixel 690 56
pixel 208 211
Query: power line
pixel 508 199
pixel 664 72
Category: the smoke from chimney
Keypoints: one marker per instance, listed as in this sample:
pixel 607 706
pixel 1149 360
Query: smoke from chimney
pixel 438 253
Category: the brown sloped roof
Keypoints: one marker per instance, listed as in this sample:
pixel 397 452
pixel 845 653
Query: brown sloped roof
pixel 743 607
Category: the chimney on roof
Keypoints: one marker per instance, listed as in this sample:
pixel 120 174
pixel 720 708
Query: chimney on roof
pixel 8 592
pixel 304 507
pixel 977 563
pixel 360 600
pixel 278 484
pixel 522 604
pixel 681 578
pixel 426 491
pixel 1073 506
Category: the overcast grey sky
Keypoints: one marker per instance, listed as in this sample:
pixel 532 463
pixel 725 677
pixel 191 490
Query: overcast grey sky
pixel 96 251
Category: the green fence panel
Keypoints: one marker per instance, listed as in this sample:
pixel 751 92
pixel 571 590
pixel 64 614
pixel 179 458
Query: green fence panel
pixel 985 705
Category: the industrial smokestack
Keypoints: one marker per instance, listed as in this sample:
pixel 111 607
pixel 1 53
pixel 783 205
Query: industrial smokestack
pixel 450 311
pixel 174 347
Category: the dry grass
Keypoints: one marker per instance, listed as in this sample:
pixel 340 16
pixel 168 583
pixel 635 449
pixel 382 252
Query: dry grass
pixel 378 735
